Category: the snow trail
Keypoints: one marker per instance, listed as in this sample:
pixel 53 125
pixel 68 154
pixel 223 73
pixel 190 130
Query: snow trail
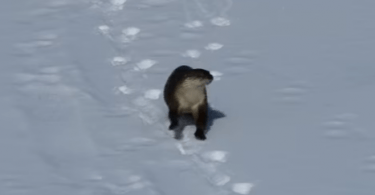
pixel 137 73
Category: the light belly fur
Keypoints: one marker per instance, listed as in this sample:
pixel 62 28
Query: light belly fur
pixel 189 99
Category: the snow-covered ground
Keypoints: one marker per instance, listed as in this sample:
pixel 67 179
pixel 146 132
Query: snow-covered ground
pixel 82 113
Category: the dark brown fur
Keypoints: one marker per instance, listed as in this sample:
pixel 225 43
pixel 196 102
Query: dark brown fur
pixel 185 93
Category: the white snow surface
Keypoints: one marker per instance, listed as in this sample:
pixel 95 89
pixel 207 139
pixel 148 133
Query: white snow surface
pixel 82 113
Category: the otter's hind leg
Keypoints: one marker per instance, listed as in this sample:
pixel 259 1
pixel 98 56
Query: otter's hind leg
pixel 173 117
pixel 200 117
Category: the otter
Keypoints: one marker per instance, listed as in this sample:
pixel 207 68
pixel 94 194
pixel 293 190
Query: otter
pixel 185 93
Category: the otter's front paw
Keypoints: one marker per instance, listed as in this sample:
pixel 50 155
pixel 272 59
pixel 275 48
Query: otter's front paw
pixel 173 126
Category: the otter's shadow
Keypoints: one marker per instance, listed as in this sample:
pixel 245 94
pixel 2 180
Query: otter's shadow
pixel 188 119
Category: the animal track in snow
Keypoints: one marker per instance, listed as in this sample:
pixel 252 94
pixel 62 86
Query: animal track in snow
pixel 118 61
pixel 48 75
pixel 292 94
pixel 338 127
pixel 216 156
pixel 207 169
pixel 214 46
pixel 210 172
pixel 153 94
pixel 186 147
pixel 242 188
pixel 129 34
pixel 192 53
pixel 208 165
pixel 124 90
pixel 131 31
pixel 343 126
pixel 220 21
pixel 194 24
pixel 104 29
pixel 144 64
pixel 117 4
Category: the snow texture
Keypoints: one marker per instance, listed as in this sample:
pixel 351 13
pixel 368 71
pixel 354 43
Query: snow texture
pixel 292 104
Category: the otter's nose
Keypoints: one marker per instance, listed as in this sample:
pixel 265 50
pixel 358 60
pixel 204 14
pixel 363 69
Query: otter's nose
pixel 211 77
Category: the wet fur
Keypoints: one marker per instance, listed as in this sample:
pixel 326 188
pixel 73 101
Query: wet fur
pixel 185 93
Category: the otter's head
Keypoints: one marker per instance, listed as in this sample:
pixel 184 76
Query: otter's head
pixel 204 76
pixel 197 78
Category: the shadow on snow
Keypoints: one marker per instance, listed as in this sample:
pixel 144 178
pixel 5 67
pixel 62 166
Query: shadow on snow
pixel 188 119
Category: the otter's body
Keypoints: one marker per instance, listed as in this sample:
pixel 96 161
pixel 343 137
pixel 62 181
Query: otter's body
pixel 185 93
